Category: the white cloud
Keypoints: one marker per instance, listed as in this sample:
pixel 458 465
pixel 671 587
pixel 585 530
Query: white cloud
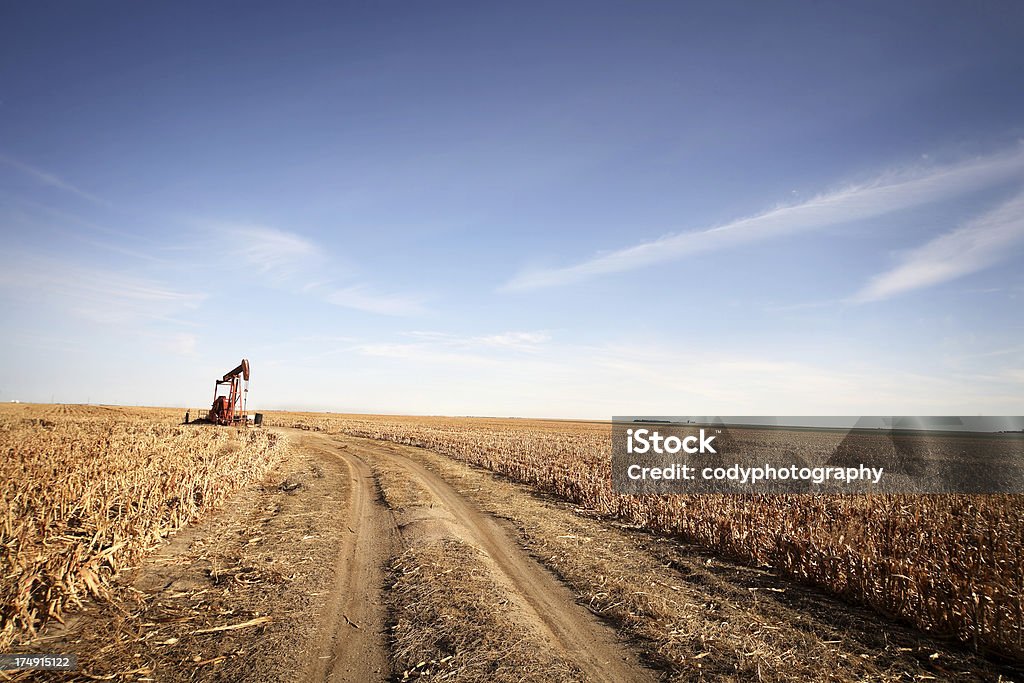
pixel 361 298
pixel 101 295
pixel 52 180
pixel 424 354
pixel 445 348
pixel 513 340
pixel 977 245
pixel 272 251
pixel 885 194
pixel 292 262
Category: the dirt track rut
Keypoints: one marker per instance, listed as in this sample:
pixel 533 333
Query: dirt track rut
pixel 352 647
pixel 359 654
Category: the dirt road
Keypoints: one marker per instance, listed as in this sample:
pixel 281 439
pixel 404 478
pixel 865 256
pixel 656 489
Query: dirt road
pixel 353 655
pixel 351 643
pixel 361 560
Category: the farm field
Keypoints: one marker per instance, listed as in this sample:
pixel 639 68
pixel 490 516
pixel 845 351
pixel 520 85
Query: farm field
pixel 88 491
pixel 947 563
pixel 362 548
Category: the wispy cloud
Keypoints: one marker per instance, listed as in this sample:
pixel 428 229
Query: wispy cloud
pixel 362 298
pixel 886 193
pixel 977 245
pixel 513 340
pixel 510 340
pixel 101 295
pixel 297 263
pixel 67 225
pixel 272 251
pixel 424 353
pixel 445 348
pixel 52 180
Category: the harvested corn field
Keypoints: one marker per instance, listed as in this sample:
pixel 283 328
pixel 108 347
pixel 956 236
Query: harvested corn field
pixel 949 564
pixel 88 491
pixel 365 548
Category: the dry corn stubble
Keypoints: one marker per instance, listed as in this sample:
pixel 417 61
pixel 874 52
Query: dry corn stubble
pixel 452 617
pixel 86 491
pixel 949 564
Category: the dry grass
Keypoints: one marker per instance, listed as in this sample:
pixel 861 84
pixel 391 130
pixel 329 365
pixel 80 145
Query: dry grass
pixel 949 564
pixel 85 492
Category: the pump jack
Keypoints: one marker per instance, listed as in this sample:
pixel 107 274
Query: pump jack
pixel 229 396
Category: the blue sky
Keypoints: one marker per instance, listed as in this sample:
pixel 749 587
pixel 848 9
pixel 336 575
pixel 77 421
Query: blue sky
pixel 576 210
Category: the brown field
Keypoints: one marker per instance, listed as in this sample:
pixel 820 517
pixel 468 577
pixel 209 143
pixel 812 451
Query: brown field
pixel 377 548
pixel 87 491
pixel 950 564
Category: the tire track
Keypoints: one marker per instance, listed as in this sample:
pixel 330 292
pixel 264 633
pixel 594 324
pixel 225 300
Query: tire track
pixel 352 647
pixel 572 630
